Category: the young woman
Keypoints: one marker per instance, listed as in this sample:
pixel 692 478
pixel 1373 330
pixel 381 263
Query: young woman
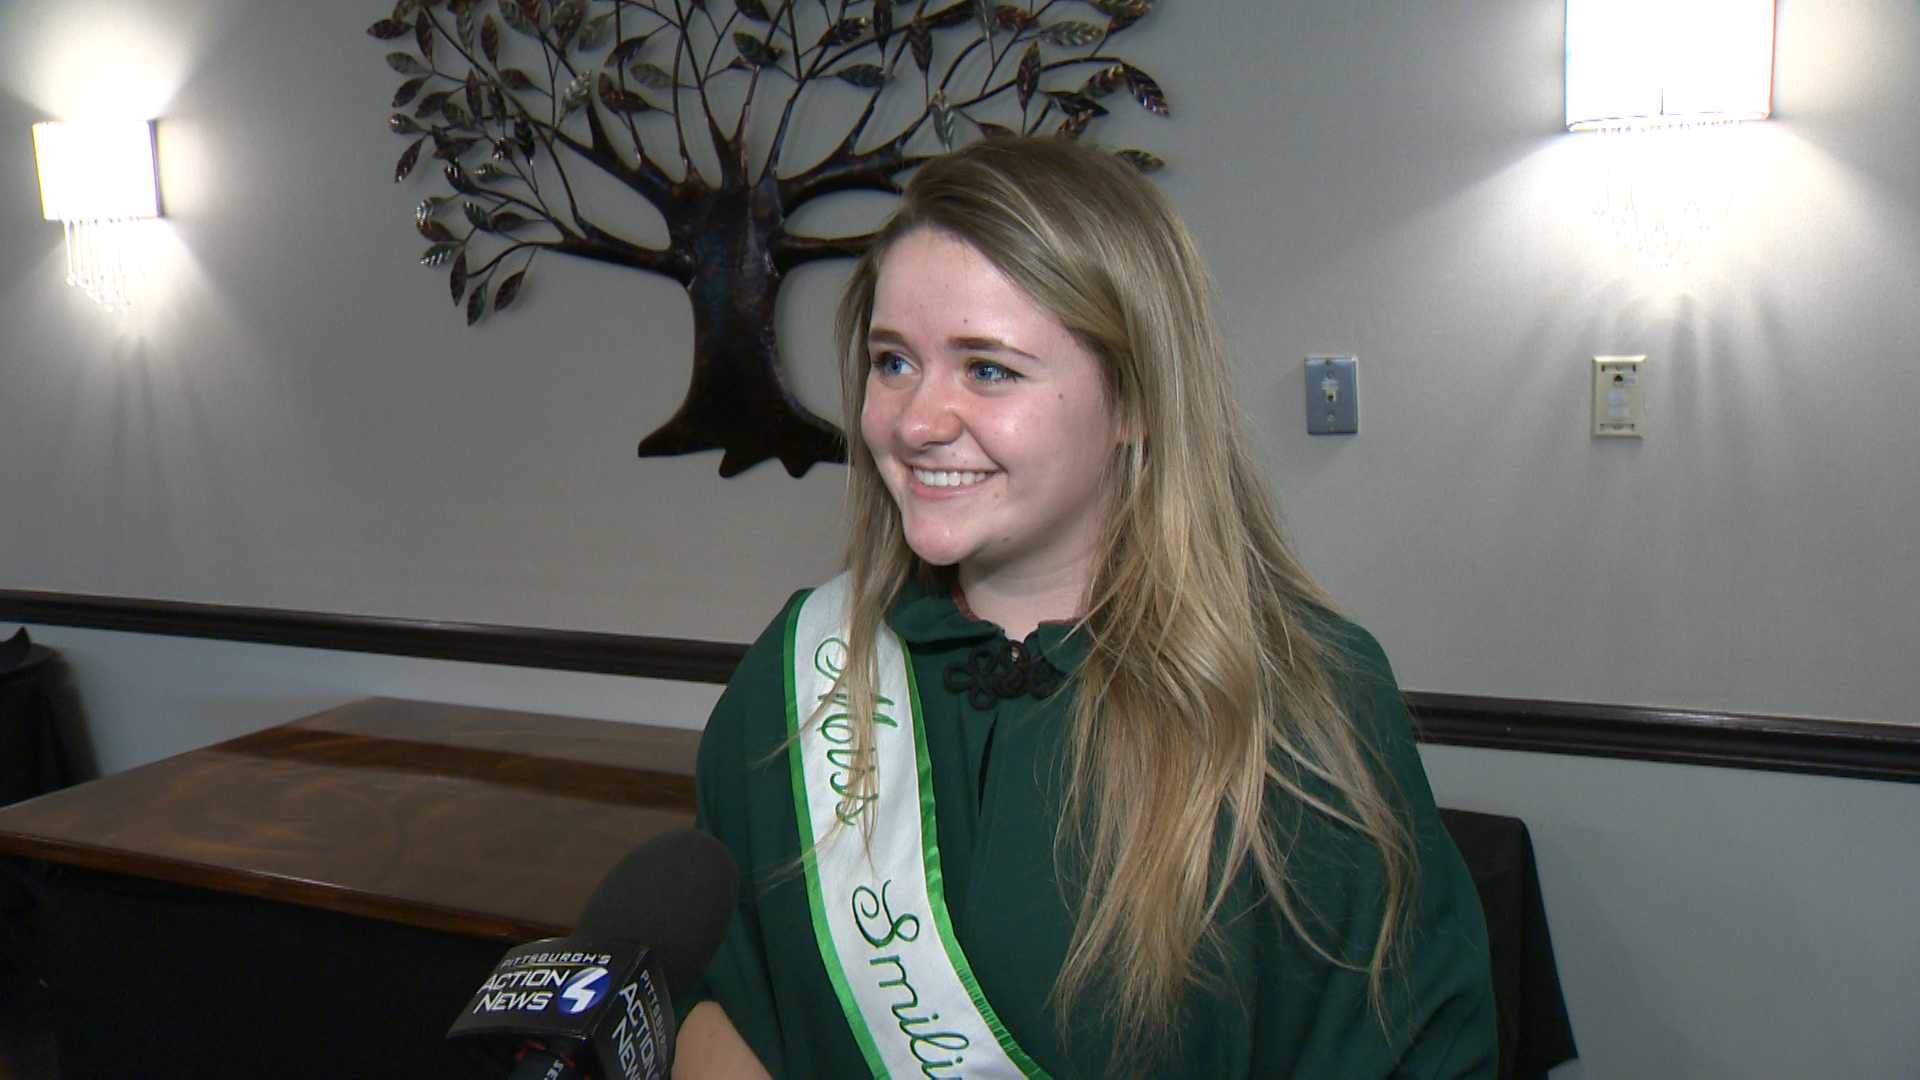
pixel 1074 772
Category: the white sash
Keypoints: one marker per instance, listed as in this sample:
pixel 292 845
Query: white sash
pixel 880 918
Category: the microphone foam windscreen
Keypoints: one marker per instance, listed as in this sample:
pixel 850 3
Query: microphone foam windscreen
pixel 674 893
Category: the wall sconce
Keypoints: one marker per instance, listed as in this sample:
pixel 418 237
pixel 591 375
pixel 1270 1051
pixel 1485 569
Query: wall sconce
pixel 95 179
pixel 1660 63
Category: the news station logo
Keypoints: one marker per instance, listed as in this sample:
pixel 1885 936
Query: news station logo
pixel 584 990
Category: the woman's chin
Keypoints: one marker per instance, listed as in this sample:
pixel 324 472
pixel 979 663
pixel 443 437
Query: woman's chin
pixel 939 551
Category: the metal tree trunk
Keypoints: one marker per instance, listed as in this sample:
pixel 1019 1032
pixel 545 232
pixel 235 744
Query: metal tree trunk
pixel 738 400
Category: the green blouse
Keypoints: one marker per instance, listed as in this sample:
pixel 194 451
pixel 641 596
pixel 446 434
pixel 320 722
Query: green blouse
pixel 1280 1009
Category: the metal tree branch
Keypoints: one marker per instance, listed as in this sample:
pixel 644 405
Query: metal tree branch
pixel 728 241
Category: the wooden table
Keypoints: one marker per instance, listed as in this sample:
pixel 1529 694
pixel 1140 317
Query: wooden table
pixel 345 845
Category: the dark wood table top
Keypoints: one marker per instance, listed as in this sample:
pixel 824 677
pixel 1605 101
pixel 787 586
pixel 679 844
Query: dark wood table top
pixel 483 822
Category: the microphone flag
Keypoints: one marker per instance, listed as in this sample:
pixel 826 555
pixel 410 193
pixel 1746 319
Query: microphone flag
pixel 600 1003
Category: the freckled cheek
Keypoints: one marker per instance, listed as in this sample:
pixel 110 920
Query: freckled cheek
pixel 875 425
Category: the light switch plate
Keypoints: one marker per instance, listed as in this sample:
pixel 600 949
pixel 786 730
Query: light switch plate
pixel 1333 395
pixel 1618 397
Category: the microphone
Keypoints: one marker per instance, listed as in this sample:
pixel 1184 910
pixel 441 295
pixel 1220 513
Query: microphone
pixel 599 1002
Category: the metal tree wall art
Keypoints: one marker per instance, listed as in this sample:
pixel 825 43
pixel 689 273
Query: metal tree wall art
pixel 694 107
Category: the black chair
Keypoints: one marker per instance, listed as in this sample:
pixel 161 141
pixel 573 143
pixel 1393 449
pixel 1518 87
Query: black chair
pixel 31 761
pixel 1535 1034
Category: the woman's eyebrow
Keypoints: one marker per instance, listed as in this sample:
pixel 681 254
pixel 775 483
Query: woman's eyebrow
pixel 880 335
pixel 986 344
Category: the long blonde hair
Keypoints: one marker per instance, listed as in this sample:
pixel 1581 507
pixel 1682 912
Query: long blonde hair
pixel 1205 709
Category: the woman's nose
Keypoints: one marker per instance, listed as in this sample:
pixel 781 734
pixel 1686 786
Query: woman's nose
pixel 930 414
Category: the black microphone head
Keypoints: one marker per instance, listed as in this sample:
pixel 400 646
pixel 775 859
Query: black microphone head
pixel 605 992
pixel 675 894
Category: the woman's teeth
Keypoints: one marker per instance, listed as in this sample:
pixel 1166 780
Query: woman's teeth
pixel 949 477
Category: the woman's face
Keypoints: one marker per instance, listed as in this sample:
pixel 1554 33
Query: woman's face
pixel 988 420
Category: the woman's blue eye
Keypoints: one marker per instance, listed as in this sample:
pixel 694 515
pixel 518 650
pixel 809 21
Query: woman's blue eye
pixel 988 371
pixel 890 363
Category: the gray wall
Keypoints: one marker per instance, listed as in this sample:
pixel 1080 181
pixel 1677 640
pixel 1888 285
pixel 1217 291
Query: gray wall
pixel 295 417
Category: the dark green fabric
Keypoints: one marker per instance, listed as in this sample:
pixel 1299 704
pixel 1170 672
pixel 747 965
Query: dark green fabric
pixel 1282 1011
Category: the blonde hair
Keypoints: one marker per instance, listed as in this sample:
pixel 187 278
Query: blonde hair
pixel 1206 707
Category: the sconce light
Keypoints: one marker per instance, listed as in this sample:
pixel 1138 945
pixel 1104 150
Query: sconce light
pixel 1659 63
pixel 95 179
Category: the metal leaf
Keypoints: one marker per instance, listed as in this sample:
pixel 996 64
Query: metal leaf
pixel 755 52
pixel 465 24
pixel 753 9
pixel 1140 159
pixel 505 221
pixel 994 131
pixel 407 64
pixel 475 103
pixel 439 253
pixel 1027 79
pixel 845 31
pixel 487 171
pixel 516 18
pixel 1008 17
pixel 428 207
pixel 451 149
pixel 407 90
pixel 1146 91
pixel 942 118
pixel 567 16
pixel 597 32
pixel 490 40
pixel 1105 81
pixel 620 101
pixel 523 137
pixel 1074 124
pixel 1072 35
pixel 577 93
pixel 402 9
pixel 949 17
pixel 402 124
pixel 423 35
pixel 866 76
pixel 435 231
pixel 457 278
pixel 457 178
pixel 882 21
pixel 652 76
pixel 457 116
pixel 1074 103
pixel 387 29
pixel 476 216
pixel 476 305
pixel 920 39
pixel 407 159
pixel 496 101
pixel 983 11
pixel 515 79
pixel 432 104
pixel 627 49
pixel 1123 12
pixel 509 289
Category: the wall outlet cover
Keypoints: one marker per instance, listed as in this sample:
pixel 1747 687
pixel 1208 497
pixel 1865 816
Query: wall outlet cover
pixel 1333 395
pixel 1619 410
